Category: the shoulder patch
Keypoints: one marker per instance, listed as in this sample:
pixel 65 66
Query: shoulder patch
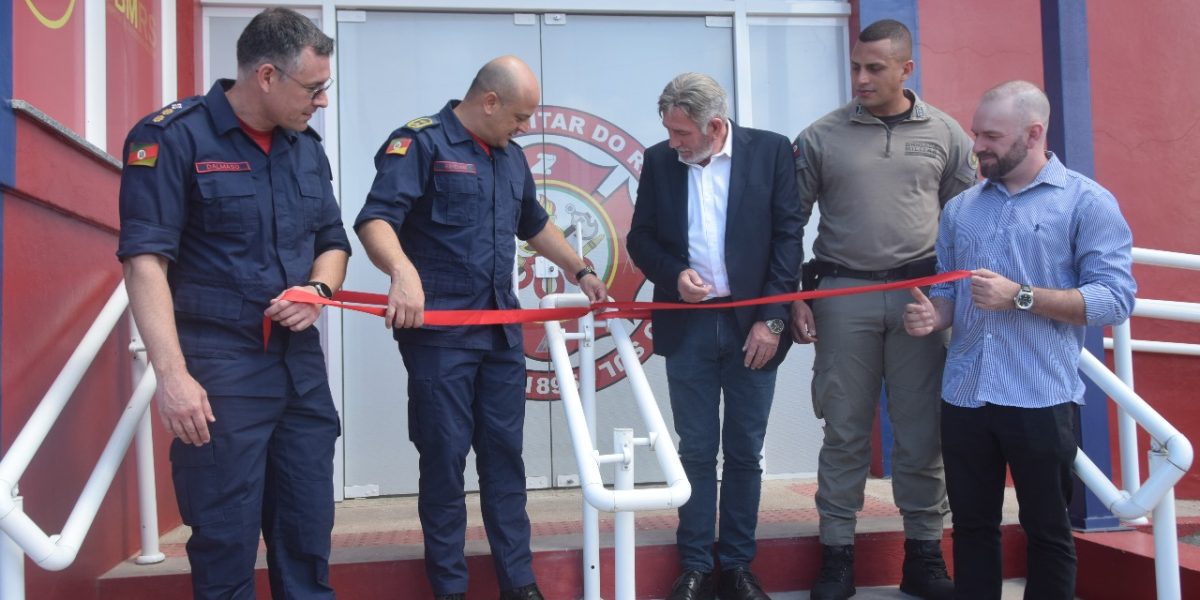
pixel 798 153
pixel 399 146
pixel 142 154
pixel 172 111
pixel 420 123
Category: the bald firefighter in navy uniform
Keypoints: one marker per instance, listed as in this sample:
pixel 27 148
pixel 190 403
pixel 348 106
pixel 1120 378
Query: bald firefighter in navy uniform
pixel 226 202
pixel 450 197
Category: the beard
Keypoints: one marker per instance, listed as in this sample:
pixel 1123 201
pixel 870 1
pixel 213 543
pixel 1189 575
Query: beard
pixel 1002 165
pixel 702 152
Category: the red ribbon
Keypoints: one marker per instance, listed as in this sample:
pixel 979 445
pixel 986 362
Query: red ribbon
pixel 376 304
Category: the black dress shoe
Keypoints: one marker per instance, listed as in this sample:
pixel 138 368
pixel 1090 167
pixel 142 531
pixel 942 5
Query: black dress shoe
pixel 692 585
pixel 739 583
pixel 525 592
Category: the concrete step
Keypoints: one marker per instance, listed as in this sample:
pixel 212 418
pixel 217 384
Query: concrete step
pixel 378 549
pixel 1014 589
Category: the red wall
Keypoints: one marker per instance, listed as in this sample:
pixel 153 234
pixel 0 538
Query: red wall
pixel 1143 106
pixel 1141 113
pixel 59 238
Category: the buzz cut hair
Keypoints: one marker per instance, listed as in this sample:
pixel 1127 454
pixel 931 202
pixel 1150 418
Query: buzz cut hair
pixel 890 29
pixel 278 36
pixel 1028 101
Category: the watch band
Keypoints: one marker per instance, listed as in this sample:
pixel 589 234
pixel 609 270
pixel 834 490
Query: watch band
pixel 584 272
pixel 321 287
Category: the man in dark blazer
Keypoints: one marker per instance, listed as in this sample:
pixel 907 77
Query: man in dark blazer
pixel 717 220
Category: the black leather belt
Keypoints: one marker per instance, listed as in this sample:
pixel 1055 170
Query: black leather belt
pixel 716 300
pixel 917 268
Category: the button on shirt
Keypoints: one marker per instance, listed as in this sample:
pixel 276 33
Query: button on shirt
pixel 708 200
pixel 239 227
pixel 1062 231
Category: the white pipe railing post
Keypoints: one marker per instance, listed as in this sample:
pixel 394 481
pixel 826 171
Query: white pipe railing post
pixel 1166 537
pixel 1131 471
pixel 147 497
pixel 591 515
pixel 144 459
pixel 12 563
pixel 624 549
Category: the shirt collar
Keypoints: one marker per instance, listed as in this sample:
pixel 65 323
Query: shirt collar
pixel 222 113
pixel 727 145
pixel 457 132
pixel 1053 173
pixel 920 112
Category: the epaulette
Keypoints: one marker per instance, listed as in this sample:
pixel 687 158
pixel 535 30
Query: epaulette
pixel 172 111
pixel 420 123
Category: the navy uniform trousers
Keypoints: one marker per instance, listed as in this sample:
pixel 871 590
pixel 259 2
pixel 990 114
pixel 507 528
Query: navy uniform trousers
pixel 268 468
pixel 459 399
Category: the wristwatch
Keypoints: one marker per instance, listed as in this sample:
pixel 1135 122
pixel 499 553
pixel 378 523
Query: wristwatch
pixel 775 326
pixel 584 272
pixel 322 288
pixel 1024 298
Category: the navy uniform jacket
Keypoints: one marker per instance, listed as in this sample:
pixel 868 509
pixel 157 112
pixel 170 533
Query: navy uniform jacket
pixel 763 230
pixel 239 227
pixel 457 213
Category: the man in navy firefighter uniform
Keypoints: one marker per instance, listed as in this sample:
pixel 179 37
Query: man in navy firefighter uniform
pixel 450 197
pixel 226 202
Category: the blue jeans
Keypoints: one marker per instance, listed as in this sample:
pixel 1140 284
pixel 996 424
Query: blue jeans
pixel 707 365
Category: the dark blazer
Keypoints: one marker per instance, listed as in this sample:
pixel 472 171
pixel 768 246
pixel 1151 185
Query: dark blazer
pixel 763 231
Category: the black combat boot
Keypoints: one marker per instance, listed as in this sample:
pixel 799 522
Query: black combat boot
pixel 836 581
pixel 924 570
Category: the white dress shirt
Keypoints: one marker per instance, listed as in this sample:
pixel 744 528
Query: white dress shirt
pixel 708 199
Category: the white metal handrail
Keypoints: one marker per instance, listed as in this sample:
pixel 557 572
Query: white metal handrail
pixel 1171 453
pixel 17 530
pixel 1176 449
pixel 623 500
pixel 678 489
pixel 1123 346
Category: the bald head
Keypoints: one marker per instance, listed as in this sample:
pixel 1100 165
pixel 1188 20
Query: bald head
pixel 501 101
pixel 1024 100
pixel 508 76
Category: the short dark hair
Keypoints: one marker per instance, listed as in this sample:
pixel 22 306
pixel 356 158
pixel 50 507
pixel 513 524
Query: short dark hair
pixel 278 36
pixel 890 29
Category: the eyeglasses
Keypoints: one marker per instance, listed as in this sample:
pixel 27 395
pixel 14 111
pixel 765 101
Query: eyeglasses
pixel 313 90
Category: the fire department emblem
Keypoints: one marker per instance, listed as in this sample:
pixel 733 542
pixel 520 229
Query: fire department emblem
pixel 586 170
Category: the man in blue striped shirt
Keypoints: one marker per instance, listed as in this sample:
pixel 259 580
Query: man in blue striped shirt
pixel 1049 254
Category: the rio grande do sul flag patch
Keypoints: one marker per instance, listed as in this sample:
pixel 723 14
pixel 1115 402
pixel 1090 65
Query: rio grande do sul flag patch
pixel 142 155
pixel 399 146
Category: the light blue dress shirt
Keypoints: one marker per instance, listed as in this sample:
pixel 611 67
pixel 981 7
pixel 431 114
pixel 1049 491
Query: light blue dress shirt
pixel 1062 231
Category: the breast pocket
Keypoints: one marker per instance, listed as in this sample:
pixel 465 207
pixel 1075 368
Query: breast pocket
pixel 227 203
pixel 456 199
pixel 312 197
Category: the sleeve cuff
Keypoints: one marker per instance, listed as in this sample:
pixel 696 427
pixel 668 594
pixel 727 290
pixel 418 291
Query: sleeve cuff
pixel 142 237
pixel 1099 306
